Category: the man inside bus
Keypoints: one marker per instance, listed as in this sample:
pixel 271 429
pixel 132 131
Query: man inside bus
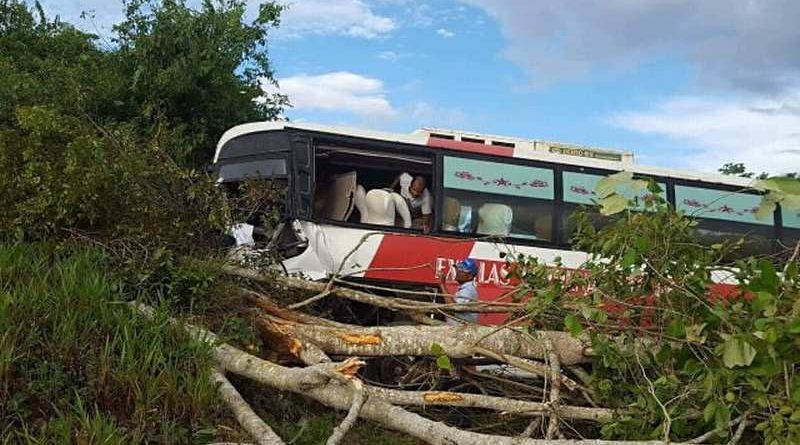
pixel 420 202
pixel 467 292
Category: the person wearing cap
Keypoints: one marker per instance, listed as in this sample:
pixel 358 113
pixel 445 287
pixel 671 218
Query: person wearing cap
pixel 466 271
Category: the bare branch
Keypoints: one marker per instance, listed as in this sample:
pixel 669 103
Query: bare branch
pixel 245 415
pixel 555 391
pixel 352 414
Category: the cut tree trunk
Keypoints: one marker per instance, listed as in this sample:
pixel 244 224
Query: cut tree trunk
pixel 457 341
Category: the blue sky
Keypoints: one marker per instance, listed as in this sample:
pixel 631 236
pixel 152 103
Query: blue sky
pixel 680 83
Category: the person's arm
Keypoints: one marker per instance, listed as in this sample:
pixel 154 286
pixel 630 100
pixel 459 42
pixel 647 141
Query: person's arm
pixel 448 299
pixel 427 211
pixel 426 223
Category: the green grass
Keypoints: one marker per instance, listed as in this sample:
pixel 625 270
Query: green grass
pixel 78 366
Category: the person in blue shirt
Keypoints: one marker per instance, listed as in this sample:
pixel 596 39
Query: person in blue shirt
pixel 466 271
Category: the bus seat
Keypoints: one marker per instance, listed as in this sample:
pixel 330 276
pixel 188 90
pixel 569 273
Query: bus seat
pixel 334 199
pixel 379 206
pixel 451 215
pixel 495 219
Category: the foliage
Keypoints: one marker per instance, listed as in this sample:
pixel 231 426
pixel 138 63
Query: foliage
pixel 201 71
pixel 77 365
pixel 677 354
pixel 739 169
pixel 173 73
pixel 783 190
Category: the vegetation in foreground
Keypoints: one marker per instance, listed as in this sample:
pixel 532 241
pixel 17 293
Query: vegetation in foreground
pixel 77 365
pixel 107 205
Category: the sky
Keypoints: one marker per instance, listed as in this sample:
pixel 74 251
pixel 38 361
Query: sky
pixel 680 83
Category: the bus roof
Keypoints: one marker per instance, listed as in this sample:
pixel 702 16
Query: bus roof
pixel 502 146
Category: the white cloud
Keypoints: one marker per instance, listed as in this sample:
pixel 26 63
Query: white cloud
pixel 747 45
pixel 445 33
pixel 391 56
pixel 340 91
pixel 764 134
pixel 340 17
pixel 423 114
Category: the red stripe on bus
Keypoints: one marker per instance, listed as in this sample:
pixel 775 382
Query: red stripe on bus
pixel 472 147
pixel 414 258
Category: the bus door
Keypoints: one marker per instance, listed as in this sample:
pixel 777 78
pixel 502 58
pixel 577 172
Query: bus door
pixel 302 177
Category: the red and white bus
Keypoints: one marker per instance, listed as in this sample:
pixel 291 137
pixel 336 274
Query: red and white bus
pixel 493 196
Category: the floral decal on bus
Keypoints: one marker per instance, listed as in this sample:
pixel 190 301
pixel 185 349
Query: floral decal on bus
pixel 501 181
pixel 493 177
pixel 719 204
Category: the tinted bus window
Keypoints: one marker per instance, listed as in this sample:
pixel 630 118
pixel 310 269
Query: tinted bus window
pixel 579 189
pixel 490 198
pixel 791 227
pixel 727 216
pixel 719 204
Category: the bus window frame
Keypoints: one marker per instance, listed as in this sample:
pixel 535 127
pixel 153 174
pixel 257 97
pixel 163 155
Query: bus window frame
pixel 362 144
pixel 439 197
pixel 776 225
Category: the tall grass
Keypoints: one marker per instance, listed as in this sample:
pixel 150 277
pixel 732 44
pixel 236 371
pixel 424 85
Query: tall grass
pixel 77 366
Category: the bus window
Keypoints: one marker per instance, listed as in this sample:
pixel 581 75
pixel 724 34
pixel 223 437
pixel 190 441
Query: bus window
pixel 568 223
pixel 791 228
pixel 489 198
pixel 724 215
pixel 579 189
pixel 342 173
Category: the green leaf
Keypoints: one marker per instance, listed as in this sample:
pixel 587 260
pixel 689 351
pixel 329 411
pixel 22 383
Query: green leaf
pixel 676 329
pixel 766 210
pixel 721 418
pixel 437 349
pixel 768 277
pixel 663 354
pixel 709 411
pixel 572 324
pixel 629 258
pixel 762 301
pixel 796 391
pixel 737 352
pixel 613 204
pixel 443 362
pixel 793 327
pixel 694 333
pixel 609 185
pixel 789 186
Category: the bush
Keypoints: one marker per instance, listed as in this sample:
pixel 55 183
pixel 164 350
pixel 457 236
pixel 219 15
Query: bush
pixel 677 355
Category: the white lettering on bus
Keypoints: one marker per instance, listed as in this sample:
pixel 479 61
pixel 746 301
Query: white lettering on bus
pixel 489 272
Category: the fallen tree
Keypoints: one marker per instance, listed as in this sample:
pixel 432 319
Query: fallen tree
pixel 457 341
pixel 327 383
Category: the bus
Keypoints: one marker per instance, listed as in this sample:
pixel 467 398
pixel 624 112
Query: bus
pixel 493 197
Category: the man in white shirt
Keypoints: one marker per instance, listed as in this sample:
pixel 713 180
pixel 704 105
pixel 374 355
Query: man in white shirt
pixel 466 271
pixel 420 201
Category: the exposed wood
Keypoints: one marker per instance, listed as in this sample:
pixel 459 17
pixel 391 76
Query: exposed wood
pixel 457 341
pixel 316 382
